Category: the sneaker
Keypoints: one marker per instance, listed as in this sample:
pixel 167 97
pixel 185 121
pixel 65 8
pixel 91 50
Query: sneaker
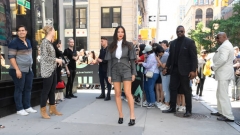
pixel 137 101
pixel 150 105
pixel 196 97
pixel 158 104
pixel 182 108
pixel 177 107
pixel 164 107
pixel 22 112
pixel 30 110
pixel 145 103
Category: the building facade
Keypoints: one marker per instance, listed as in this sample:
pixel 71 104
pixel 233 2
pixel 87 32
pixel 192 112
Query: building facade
pixel 227 11
pixel 197 11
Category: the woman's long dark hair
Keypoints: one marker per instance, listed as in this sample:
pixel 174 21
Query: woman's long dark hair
pixel 113 45
pixel 141 46
pixel 93 54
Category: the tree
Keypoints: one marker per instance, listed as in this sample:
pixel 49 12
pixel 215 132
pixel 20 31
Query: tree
pixel 201 37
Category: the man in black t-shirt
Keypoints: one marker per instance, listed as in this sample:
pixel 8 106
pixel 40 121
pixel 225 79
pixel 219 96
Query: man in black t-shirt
pixel 103 71
pixel 71 54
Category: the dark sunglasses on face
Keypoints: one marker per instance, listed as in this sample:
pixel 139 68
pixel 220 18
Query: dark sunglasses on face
pixel 217 37
pixel 180 31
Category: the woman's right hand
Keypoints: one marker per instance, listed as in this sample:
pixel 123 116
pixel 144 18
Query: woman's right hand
pixel 109 80
pixel 59 61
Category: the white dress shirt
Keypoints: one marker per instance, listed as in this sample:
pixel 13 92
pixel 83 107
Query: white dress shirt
pixel 119 49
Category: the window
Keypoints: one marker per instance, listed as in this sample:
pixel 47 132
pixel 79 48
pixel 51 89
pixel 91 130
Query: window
pixel 68 20
pixel 198 16
pixel 209 16
pixel 110 15
pixel 80 18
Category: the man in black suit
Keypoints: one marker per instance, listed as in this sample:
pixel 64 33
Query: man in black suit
pixel 182 65
pixel 103 70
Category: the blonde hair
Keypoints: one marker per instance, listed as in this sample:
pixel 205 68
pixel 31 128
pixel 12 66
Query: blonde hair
pixel 47 29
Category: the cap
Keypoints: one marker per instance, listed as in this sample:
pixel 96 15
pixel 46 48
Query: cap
pixel 147 48
pixel 236 47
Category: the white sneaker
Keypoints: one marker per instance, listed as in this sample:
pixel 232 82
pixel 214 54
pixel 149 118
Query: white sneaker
pixel 182 108
pixel 30 110
pixel 22 112
pixel 145 103
pixel 177 107
pixel 165 107
pixel 158 104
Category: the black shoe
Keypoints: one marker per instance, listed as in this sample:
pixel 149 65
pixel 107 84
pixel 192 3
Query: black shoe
pixel 170 110
pixel 68 97
pixel 222 118
pixel 72 96
pixel 187 114
pixel 132 122
pixel 216 114
pixel 107 98
pixel 92 87
pixel 120 121
pixel 100 97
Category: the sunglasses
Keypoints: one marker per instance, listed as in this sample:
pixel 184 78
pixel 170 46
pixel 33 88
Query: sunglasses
pixel 180 31
pixel 217 37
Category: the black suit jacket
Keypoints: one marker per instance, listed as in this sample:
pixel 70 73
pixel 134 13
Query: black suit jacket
pixel 187 59
pixel 104 64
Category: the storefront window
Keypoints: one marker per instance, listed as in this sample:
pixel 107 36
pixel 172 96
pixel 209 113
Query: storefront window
pixel 32 14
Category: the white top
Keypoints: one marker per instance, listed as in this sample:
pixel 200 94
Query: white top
pixel 119 49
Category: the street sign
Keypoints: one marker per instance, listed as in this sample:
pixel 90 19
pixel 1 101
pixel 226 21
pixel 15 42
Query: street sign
pixel 153 18
pixel 49 21
pixel 24 3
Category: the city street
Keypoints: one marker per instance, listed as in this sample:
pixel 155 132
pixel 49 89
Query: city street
pixel 87 116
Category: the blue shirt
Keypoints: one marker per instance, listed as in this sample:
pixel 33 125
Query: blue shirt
pixel 151 64
pixel 22 53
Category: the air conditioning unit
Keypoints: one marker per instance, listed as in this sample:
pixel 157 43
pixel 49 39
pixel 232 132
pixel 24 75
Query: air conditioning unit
pixel 114 25
pixel 82 26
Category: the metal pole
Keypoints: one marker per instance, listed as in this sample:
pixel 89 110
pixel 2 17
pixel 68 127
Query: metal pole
pixel 43 14
pixel 157 28
pixel 74 23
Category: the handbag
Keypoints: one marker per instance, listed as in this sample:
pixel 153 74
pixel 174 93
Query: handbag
pixel 60 85
pixel 149 74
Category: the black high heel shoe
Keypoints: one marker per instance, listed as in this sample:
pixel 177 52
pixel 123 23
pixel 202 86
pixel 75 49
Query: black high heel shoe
pixel 132 122
pixel 120 121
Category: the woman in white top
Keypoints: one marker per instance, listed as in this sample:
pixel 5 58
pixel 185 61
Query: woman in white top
pixel 121 69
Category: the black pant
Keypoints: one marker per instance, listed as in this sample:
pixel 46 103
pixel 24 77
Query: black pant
pixel 200 86
pixel 49 87
pixel 70 82
pixel 178 81
pixel 102 77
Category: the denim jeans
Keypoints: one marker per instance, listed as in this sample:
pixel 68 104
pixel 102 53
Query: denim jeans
pixel 23 87
pixel 149 84
pixel 165 87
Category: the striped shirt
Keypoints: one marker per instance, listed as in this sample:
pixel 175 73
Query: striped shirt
pixel 22 53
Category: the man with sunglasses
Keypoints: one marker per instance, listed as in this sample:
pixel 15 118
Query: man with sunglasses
pixel 182 62
pixel 224 73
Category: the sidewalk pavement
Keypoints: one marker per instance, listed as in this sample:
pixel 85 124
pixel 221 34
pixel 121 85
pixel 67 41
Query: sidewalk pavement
pixel 209 99
pixel 86 115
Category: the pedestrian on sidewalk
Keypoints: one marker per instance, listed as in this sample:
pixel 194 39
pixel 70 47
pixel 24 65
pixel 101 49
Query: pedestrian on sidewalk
pixel 224 73
pixel 151 66
pixel 121 57
pixel 201 63
pixel 236 81
pixel 71 54
pixel 103 71
pixel 48 63
pixel 20 56
pixel 182 62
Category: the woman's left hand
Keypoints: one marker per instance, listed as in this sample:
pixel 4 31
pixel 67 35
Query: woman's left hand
pixel 133 78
